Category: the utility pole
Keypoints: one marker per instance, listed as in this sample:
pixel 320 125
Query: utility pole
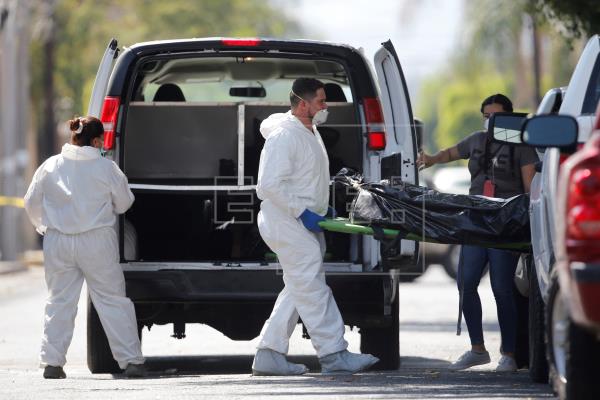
pixel 14 119
pixel 47 134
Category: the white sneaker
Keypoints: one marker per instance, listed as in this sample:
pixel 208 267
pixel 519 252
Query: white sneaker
pixel 470 359
pixel 506 364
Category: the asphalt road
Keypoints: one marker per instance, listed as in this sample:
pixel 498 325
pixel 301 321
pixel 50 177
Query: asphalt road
pixel 208 365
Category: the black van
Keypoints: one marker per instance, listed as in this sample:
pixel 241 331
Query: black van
pixel 182 120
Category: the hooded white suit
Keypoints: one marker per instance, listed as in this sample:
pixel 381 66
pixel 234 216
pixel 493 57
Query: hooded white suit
pixel 74 198
pixel 293 176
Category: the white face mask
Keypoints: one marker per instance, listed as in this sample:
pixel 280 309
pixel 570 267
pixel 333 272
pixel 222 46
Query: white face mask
pixel 320 117
pixel 486 123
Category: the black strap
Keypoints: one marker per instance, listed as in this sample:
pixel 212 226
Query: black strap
pixel 486 158
pixel 461 293
pixel 388 243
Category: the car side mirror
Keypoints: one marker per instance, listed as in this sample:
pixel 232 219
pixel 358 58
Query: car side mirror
pixel 505 127
pixel 550 131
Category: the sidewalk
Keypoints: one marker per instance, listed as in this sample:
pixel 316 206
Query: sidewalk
pixel 29 258
pixel 7 267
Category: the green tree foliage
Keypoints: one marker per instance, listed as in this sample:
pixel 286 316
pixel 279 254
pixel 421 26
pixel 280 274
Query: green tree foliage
pixel 578 17
pixel 84 28
pixel 495 55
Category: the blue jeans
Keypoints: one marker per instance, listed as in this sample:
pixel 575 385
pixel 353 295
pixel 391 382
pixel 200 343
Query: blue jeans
pixel 503 265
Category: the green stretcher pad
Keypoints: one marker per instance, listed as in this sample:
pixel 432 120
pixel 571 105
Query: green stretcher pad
pixel 343 225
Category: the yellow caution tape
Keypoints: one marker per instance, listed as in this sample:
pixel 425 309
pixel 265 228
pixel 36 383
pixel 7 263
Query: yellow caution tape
pixel 12 202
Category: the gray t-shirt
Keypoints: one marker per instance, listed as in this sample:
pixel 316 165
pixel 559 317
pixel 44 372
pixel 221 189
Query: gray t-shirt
pixel 504 164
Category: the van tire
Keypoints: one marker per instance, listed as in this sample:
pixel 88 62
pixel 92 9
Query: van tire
pixel 99 355
pixel 538 364
pixel 384 342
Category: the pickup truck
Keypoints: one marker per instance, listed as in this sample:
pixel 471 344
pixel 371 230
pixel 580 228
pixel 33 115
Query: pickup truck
pixel 574 320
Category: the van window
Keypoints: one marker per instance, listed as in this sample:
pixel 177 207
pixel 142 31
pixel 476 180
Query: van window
pixel 210 79
pixel 185 123
pixel 592 94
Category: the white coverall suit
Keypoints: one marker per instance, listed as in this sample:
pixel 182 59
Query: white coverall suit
pixel 73 200
pixel 293 176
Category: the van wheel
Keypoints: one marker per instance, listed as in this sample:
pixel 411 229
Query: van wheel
pixel 99 356
pixel 383 343
pixel 538 365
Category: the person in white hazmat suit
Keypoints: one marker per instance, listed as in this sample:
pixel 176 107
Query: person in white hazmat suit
pixel 73 201
pixel 293 184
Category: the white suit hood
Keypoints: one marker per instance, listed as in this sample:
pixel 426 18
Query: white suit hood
pixel 273 122
pixel 294 168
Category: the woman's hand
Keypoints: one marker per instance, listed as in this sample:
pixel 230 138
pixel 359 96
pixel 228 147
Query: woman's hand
pixel 442 156
pixel 424 160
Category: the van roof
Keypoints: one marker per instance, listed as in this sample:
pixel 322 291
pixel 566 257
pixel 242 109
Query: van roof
pixel 222 43
pixel 349 55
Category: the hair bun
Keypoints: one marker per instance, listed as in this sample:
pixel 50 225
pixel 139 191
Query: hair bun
pixel 76 125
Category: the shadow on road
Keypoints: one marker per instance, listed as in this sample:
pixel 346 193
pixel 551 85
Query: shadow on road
pixel 418 377
pixel 217 364
pixel 425 326
pixel 242 364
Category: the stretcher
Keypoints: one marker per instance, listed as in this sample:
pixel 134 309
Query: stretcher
pixel 343 225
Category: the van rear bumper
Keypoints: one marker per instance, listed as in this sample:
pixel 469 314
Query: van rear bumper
pixel 240 285
pixel 238 302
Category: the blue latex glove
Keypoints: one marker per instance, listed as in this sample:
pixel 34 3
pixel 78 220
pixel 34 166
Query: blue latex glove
pixel 331 213
pixel 311 220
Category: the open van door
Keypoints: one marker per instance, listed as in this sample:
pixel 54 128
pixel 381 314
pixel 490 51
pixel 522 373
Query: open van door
pixel 101 81
pixel 398 159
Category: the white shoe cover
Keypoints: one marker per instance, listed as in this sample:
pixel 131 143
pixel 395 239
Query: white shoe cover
pixel 268 362
pixel 344 362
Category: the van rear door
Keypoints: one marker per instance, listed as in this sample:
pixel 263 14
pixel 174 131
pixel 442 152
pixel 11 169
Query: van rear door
pixel 101 81
pixel 398 157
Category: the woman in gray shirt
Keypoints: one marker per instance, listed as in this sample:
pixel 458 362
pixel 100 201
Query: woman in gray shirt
pixel 502 171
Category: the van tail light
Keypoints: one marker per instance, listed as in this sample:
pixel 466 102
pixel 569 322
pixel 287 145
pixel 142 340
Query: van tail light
pixel 108 116
pixel 583 212
pixel 375 123
pixel 246 42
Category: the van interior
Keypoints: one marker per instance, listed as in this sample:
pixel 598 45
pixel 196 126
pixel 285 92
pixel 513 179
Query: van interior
pixel 194 122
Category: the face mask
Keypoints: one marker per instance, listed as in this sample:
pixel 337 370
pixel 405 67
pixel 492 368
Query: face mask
pixel 320 117
pixel 486 124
